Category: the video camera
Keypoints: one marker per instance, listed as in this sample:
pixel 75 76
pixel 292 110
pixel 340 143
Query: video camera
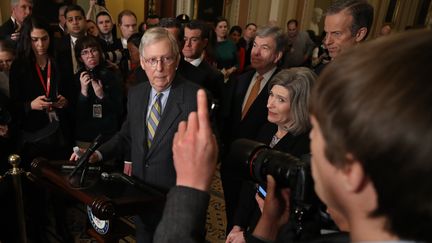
pixel 257 160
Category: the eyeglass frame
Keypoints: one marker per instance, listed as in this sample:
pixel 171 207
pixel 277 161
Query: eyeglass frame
pixel 87 52
pixel 165 61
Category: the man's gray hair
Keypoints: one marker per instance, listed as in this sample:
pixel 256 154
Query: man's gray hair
pixel 157 34
pixel 276 33
pixel 15 2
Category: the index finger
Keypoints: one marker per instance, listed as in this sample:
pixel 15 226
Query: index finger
pixel 203 117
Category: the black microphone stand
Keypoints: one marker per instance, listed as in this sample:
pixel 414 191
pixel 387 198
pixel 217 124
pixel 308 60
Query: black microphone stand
pixel 83 162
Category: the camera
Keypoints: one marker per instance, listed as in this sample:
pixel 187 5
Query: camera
pixel 254 161
pixel 92 74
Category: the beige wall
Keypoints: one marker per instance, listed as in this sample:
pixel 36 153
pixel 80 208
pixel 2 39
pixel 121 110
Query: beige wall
pixel 116 6
pixel 5 10
pixel 280 11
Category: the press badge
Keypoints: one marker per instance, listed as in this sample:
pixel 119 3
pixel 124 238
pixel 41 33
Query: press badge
pixel 97 111
pixel 52 116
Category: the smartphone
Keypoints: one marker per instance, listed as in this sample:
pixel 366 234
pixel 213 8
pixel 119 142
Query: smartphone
pixel 261 192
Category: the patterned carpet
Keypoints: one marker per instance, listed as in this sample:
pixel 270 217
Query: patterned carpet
pixel 216 219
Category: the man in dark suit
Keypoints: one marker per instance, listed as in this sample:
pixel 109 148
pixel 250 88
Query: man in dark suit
pixel 68 65
pixel 196 37
pixel 164 101
pixel 60 30
pixel 195 155
pixel 249 105
pixel 246 41
pixel 112 45
pixel 20 10
pixel 186 69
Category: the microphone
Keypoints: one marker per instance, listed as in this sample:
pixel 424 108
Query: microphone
pixel 83 160
pixel 115 176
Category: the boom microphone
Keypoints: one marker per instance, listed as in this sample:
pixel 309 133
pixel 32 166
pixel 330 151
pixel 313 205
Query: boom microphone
pixel 83 160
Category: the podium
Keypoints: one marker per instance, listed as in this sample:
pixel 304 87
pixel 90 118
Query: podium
pixel 108 202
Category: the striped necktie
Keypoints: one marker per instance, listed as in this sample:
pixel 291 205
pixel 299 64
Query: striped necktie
pixel 154 118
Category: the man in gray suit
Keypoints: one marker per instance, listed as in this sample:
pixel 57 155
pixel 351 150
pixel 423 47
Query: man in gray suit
pixel 155 109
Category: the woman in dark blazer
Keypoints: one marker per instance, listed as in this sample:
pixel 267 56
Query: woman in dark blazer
pixel 99 101
pixel 38 95
pixel 287 130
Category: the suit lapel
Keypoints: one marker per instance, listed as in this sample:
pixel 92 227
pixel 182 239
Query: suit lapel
pixel 143 104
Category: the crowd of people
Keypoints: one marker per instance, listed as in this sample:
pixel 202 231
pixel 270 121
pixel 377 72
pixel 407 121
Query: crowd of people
pixel 345 111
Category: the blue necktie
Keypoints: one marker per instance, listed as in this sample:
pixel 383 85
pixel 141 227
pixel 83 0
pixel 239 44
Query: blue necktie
pixel 154 118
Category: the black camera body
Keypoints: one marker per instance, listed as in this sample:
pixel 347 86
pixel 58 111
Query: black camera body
pixel 257 160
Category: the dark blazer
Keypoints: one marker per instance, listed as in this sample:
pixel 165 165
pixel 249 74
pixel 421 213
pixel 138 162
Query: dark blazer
pixel 296 145
pixel 64 60
pixel 214 80
pixel 192 73
pixel 155 165
pixel 87 126
pixel 256 116
pixel 57 31
pixel 25 86
pixel 6 30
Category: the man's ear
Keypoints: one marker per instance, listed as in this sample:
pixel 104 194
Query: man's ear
pixel 142 62
pixel 205 42
pixel 354 177
pixel 361 34
pixel 278 57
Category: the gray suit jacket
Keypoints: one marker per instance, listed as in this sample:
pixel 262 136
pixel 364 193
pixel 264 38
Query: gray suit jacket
pixel 153 166
pixel 184 216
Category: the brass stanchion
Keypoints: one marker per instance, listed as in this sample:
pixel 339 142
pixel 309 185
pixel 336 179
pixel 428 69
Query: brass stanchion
pixel 16 172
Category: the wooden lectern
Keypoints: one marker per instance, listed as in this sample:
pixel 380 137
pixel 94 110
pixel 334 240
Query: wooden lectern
pixel 107 201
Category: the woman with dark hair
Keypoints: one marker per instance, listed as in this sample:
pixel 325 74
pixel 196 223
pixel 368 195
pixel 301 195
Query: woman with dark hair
pixel 38 96
pixel 99 101
pixel 39 103
pixel 235 35
pixel 225 49
pixel 287 130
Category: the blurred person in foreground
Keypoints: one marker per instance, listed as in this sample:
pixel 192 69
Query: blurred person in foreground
pixel 354 143
pixel 354 146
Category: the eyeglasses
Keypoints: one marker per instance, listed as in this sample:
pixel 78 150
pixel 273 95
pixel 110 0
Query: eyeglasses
pixel 87 52
pixel 6 62
pixel 153 62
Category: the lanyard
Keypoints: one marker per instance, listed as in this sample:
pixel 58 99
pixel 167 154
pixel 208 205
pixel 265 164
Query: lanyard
pixel 46 87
